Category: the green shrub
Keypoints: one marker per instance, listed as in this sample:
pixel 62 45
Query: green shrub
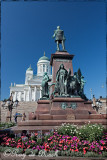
pixel 35 151
pixel 34 138
pixel 2 149
pixel 39 141
pixel 76 154
pixel 59 153
pixel 6 125
pixel 19 150
pixel 68 153
pixel 47 136
pixel 67 129
pixel 90 132
pixel 104 154
pixel 72 154
pixel 62 153
pixel 28 151
pixel 92 154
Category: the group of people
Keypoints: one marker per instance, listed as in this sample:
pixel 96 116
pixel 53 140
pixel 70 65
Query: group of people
pixel 18 114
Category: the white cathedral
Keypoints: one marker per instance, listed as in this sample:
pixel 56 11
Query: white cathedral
pixel 31 90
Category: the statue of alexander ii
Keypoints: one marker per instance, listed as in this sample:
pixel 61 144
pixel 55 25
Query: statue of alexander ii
pixel 59 38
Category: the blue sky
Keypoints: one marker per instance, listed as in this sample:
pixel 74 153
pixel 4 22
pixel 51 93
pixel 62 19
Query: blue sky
pixel 26 32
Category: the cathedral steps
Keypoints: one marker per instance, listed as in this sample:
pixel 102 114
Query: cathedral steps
pixel 23 107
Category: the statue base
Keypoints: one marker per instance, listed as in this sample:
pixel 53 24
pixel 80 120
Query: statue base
pixel 61 50
pixel 52 113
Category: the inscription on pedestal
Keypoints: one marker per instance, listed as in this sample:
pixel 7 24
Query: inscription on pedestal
pixel 65 105
pixel 70 117
pixel 62 60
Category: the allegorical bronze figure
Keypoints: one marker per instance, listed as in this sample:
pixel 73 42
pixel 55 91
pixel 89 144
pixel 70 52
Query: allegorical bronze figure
pixel 45 88
pixel 67 85
pixel 61 80
pixel 59 38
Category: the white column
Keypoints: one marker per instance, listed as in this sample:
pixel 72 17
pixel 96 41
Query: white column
pixel 24 95
pixel 45 68
pixel 29 94
pixel 20 95
pixel 35 93
pixel 40 92
pixel 15 96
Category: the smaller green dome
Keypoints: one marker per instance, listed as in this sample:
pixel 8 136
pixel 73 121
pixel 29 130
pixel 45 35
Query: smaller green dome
pixel 44 58
pixel 30 69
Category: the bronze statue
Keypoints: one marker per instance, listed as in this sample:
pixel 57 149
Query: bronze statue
pixel 67 85
pixel 61 80
pixel 59 38
pixel 45 89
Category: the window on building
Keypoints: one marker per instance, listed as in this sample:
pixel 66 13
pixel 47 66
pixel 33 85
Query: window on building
pixel 47 69
pixel 43 67
pixel 40 68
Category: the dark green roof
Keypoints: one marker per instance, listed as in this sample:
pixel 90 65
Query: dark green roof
pixel 44 58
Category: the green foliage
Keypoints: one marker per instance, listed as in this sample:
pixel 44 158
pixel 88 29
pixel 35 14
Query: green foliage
pixel 92 154
pixel 6 125
pixel 76 154
pixel 35 151
pixel 47 136
pixel 68 153
pixel 104 154
pixel 39 141
pixel 59 153
pixel 28 151
pixel 62 153
pixel 20 151
pixel 90 132
pixel 67 129
pixel 34 138
pixel 2 149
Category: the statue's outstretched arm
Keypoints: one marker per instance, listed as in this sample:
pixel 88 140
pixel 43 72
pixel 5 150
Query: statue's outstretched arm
pixel 54 34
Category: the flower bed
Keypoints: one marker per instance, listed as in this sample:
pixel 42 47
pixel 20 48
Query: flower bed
pixel 67 140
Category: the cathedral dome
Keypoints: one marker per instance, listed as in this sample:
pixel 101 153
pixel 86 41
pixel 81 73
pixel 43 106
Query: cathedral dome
pixel 30 69
pixel 43 66
pixel 44 58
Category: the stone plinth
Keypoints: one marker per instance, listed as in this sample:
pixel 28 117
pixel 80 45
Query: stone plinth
pixel 43 107
pixel 60 58
pixel 50 114
pixel 81 107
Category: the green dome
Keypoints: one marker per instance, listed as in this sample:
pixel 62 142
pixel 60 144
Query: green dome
pixel 30 69
pixel 44 58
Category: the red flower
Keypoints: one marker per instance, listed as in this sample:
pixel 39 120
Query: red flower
pixel 60 145
pixel 28 146
pixel 36 134
pixel 76 150
pixel 101 147
pixel 84 150
pixel 18 146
